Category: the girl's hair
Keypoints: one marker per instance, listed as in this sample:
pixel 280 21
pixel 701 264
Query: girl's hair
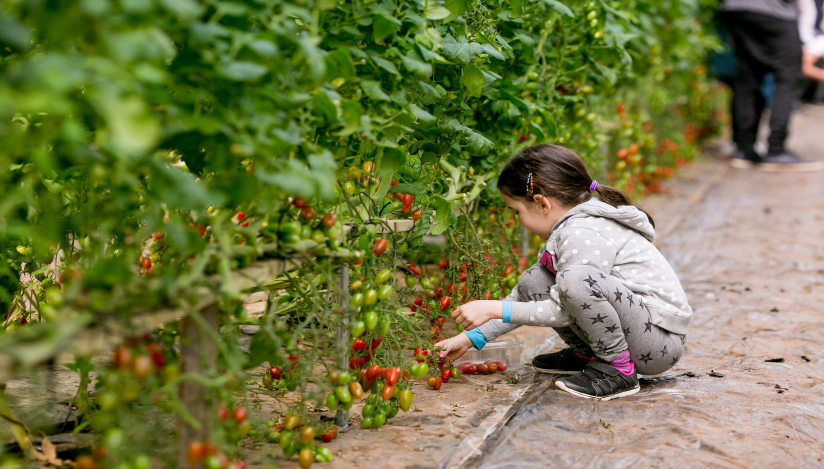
pixel 556 172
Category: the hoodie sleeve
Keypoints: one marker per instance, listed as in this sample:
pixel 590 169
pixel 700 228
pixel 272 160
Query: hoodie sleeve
pixel 495 328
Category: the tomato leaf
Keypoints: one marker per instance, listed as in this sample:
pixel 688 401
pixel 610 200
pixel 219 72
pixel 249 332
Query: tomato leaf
pixel 473 79
pixel 384 26
pixel 434 11
pixel 414 188
pixel 461 50
pixel 559 8
pixel 392 159
pixel 424 118
pixel 351 117
pixel 264 346
pixel 373 90
pixel 445 217
pixel 456 8
pixel 242 71
pixel 414 64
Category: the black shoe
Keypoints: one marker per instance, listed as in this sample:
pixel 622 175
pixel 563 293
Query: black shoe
pixel 744 159
pixel 600 381
pixel 565 362
pixel 786 162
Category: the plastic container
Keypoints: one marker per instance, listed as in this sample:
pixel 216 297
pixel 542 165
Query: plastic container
pixel 508 353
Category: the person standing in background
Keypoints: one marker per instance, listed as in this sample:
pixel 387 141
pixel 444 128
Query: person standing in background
pixel 766 40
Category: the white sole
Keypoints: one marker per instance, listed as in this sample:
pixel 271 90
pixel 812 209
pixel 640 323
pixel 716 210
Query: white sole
pixel 556 372
pixel 560 385
pixel 740 163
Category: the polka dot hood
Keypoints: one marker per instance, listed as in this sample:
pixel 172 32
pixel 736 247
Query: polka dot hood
pixel 618 242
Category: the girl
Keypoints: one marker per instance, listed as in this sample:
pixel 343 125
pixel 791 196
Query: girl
pixel 599 281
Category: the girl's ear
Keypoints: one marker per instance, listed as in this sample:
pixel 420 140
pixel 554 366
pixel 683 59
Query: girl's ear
pixel 545 204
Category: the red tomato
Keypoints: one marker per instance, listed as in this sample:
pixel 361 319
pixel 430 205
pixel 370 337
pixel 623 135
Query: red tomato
pixel 373 372
pixel 307 213
pixel 417 214
pixel 379 247
pixel 501 367
pixel 387 391
pixel 194 453
pixel 293 361
pixel 443 263
pixel 434 382
pixel 506 272
pixel 445 302
pixel 468 368
pixel 329 220
pixel 244 224
pixel 299 202
pixel 158 236
pixel 493 368
pixel 414 269
pixel 446 373
pixel 241 215
pixel 358 345
pixel 222 412
pixel 275 372
pixel 391 375
pixel 413 308
pixel 376 342
pixel 408 199
pixel 210 448
pixel 439 322
pixel 239 414
pixel 330 434
pixel 418 301
pixel 483 369
pixel 122 357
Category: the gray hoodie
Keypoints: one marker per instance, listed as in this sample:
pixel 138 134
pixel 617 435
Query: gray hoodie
pixel 616 241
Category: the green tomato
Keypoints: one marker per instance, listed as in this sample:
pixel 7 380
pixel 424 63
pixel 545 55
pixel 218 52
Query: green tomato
pixel 385 292
pixel 372 399
pixel 332 402
pixel 383 276
pixel 291 385
pixel 285 439
pixel 343 394
pixel 367 422
pixel 410 282
pixel 496 293
pixel 418 370
pixel 273 436
pixel 347 405
pixel 290 450
pixel 371 320
pixel 379 420
pixel 593 23
pixel 357 300
pixel 349 187
pixel 325 453
pixel 368 411
pixel 212 462
pixel 393 411
pixel 358 328
pixel 142 462
pixel 306 232
pixel 383 325
pixel 345 377
pixel 318 236
pixel 290 232
pixel 371 297
pixel 592 15
pixel 426 283
pixel 460 328
pixel 511 281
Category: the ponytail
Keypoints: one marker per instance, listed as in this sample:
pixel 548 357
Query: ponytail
pixel 612 196
pixel 557 172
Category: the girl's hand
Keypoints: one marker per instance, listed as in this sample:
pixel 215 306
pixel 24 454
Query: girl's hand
pixel 475 313
pixel 455 347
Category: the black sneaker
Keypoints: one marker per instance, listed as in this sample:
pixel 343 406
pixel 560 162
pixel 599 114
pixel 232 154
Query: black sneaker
pixel 565 362
pixel 786 162
pixel 744 159
pixel 600 381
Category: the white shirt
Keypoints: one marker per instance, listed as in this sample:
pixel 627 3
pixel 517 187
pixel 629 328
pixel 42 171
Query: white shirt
pixel 807 14
pixel 816 46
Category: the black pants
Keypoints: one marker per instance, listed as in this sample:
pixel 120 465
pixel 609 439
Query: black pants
pixel 763 44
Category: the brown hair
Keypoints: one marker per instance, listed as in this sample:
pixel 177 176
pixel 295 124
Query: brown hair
pixel 557 172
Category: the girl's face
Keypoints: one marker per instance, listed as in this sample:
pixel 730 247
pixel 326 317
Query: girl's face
pixel 538 217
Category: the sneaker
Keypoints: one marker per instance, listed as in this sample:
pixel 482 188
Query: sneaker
pixel 745 159
pixel 600 381
pixel 565 362
pixel 786 162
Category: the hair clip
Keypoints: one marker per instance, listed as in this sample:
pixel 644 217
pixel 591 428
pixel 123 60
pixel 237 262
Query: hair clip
pixel 594 185
pixel 529 187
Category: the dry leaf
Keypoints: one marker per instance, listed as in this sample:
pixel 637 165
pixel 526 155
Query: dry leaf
pixel 49 454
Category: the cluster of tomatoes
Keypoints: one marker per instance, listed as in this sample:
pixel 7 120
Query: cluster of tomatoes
pixel 145 263
pixel 140 356
pixel 326 229
pixel 294 437
pixel 486 368
pixel 208 453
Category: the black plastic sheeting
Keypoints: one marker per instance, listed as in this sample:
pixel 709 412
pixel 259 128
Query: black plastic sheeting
pixel 749 391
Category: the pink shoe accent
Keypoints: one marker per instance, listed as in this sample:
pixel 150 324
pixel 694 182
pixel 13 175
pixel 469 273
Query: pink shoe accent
pixel 584 356
pixel 623 364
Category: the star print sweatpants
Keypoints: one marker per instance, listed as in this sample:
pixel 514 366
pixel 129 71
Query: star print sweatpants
pixel 606 318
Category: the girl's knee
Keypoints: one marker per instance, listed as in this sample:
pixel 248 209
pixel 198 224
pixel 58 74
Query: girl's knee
pixel 578 273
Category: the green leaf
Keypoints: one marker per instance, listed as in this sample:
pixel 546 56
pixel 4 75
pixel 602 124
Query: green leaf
pixel 608 73
pixel 559 8
pixel 414 188
pixel 391 160
pixel 414 64
pixel 352 112
pixel 185 9
pixel 386 65
pixel 373 90
pixel 491 50
pixel 429 94
pixel 435 11
pixel 383 27
pixel 424 118
pixel 456 8
pixel 445 217
pixel 473 80
pixel 340 63
pixel 264 347
pixel 461 50
pixel 242 71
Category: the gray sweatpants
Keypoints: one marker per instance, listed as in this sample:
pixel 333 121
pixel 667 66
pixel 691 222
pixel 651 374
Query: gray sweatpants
pixel 600 317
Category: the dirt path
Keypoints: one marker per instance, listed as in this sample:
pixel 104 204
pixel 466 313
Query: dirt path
pixel 751 257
